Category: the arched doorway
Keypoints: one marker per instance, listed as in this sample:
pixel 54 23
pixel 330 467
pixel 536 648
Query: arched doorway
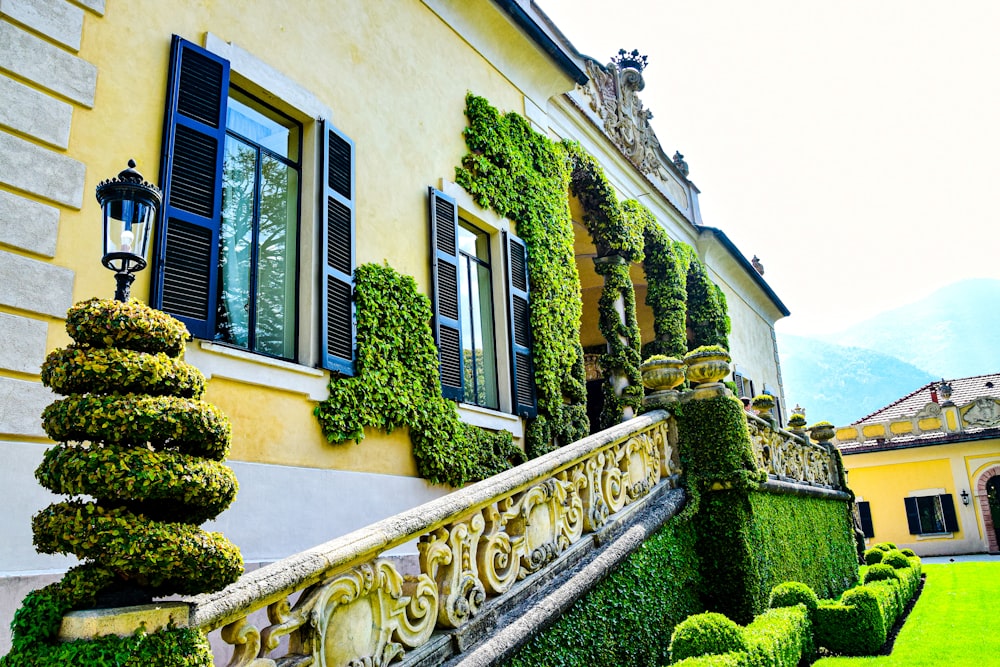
pixel 988 493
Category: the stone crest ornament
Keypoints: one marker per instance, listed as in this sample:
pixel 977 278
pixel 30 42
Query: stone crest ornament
pixel 983 411
pixel 614 97
pixel 679 162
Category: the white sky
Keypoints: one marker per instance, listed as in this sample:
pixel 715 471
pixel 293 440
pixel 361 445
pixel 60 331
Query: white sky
pixel 854 146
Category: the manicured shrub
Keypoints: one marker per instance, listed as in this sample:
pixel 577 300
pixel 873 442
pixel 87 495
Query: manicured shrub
pixel 854 626
pixel 896 559
pixel 780 637
pixel 884 546
pixel 909 553
pixel 706 634
pixel 873 556
pixel 880 572
pixel 791 593
pixel 722 660
pixel 137 442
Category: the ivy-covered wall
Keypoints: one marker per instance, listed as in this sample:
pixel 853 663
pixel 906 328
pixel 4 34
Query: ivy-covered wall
pixel 627 619
pixel 524 176
pixel 397 383
pixel 749 538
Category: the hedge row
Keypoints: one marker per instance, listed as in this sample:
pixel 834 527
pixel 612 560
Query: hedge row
pixel 797 624
pixel 777 638
pixel 860 622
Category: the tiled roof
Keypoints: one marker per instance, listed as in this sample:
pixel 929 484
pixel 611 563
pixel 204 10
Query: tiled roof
pixel 963 390
pixel 910 440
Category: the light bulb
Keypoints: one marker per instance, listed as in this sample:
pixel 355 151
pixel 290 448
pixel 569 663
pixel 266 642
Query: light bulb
pixel 127 238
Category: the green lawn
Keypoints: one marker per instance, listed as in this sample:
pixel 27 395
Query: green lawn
pixel 954 623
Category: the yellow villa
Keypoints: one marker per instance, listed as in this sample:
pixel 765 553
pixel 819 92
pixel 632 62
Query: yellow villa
pixel 295 142
pixel 926 469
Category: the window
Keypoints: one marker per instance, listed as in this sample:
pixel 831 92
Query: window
pixel 227 260
pixel 744 385
pixel 258 241
pixel 931 514
pixel 776 410
pixel 468 325
pixel 864 517
pixel 476 317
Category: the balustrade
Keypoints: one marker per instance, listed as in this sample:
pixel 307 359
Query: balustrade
pixel 352 606
pixel 791 457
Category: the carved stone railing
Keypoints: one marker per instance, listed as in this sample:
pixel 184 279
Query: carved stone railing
pixel 791 457
pixel 344 603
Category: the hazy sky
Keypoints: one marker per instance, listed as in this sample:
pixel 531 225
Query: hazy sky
pixel 854 146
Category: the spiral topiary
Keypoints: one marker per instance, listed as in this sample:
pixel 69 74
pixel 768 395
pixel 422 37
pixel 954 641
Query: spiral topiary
pixel 135 436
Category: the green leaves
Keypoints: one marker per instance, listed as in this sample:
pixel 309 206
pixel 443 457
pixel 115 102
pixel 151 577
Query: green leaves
pixel 397 384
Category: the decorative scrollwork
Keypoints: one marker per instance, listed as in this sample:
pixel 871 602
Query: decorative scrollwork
pixel 245 639
pixel 448 556
pixel 784 455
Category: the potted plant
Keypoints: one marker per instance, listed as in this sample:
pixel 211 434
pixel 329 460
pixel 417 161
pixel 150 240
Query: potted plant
pixel 822 431
pixel 797 422
pixel 707 364
pixel 660 372
pixel 762 404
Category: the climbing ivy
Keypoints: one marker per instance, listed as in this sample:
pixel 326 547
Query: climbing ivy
pixel 624 340
pixel 397 383
pixel 666 289
pixel 524 176
pixel 707 308
pixel 615 229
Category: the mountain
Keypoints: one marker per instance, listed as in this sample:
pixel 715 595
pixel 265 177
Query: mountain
pixel 954 332
pixel 841 384
pixel 843 376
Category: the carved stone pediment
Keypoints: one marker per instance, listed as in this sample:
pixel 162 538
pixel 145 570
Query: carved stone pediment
pixel 612 95
pixel 983 411
pixel 930 411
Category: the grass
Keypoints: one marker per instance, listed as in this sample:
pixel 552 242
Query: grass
pixel 953 623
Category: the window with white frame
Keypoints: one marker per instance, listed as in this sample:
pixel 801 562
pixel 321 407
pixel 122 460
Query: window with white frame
pixel 931 514
pixel 227 259
pixel 481 311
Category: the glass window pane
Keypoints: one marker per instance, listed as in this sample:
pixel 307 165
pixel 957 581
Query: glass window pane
pixel 263 126
pixel 236 242
pixel 276 244
pixel 486 349
pixel 931 516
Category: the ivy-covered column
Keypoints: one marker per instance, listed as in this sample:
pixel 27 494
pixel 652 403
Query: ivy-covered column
pixel 623 385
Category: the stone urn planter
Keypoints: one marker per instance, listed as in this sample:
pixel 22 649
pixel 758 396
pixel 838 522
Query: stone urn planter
pixel 762 404
pixel 660 373
pixel 708 364
pixel 660 376
pixel 822 432
pixel 797 423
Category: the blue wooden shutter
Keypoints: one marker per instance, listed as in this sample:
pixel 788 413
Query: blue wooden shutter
pixel 186 273
pixel 948 510
pixel 444 275
pixel 865 514
pixel 337 209
pixel 912 515
pixel 518 302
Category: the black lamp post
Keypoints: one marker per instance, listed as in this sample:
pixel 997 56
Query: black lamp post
pixel 130 205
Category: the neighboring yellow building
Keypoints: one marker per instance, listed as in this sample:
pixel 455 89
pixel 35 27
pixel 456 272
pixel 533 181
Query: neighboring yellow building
pixel 335 120
pixel 926 469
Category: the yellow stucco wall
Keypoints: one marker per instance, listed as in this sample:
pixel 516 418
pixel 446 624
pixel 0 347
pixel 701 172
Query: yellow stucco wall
pixel 394 76
pixel 884 478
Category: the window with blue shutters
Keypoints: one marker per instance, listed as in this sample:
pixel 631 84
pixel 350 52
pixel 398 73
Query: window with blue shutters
pixel 227 259
pixel 481 311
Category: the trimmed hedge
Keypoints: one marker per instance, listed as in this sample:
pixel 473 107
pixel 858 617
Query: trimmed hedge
pixel 627 618
pixel 779 637
pixel 859 623
pixel 752 539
